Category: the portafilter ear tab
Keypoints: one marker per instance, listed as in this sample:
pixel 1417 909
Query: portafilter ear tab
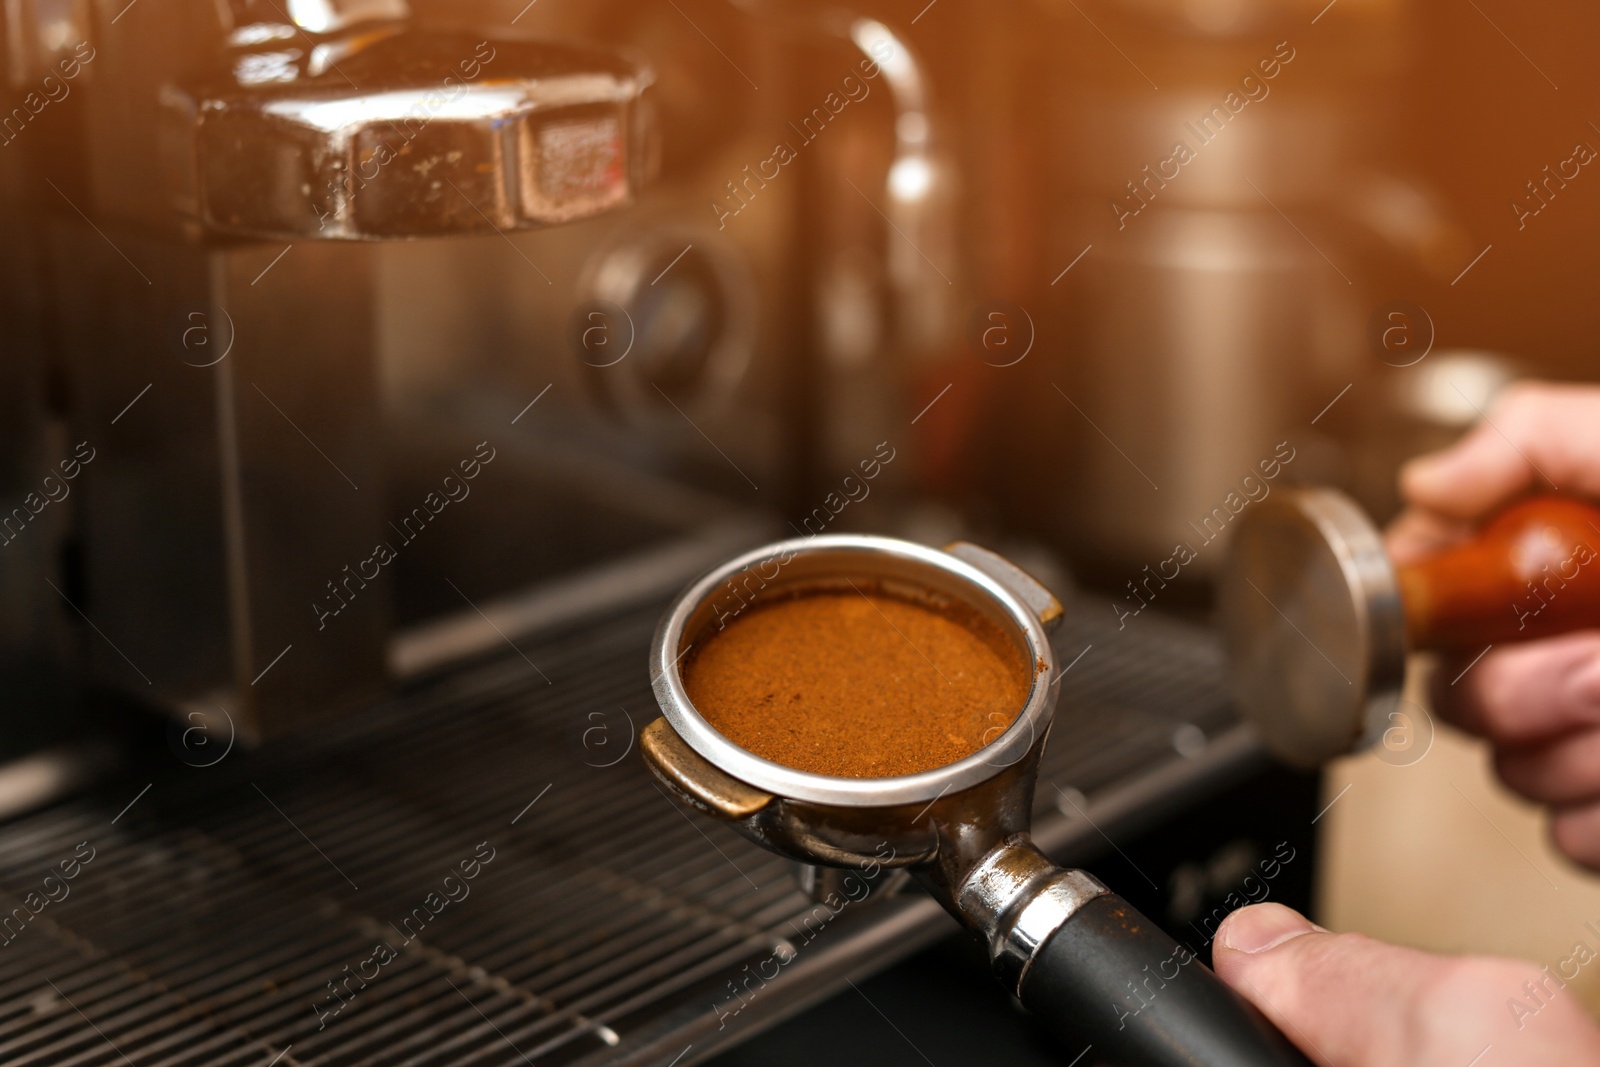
pixel 693 780
pixel 1318 620
pixel 1058 939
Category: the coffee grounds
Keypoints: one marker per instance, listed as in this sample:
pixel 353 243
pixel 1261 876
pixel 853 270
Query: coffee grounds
pixel 857 684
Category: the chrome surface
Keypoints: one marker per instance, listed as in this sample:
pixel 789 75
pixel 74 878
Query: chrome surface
pixel 917 198
pixel 235 402
pixel 1039 600
pixel 689 315
pixel 919 208
pixel 833 560
pixel 175 511
pixel 1039 916
pixel 1313 624
pixel 1016 898
pixel 1011 871
pixel 251 22
pixel 41 37
pixel 446 134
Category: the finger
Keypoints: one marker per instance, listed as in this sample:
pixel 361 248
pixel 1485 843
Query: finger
pixel 1561 772
pixel 1417 533
pixel 1348 1000
pixel 1535 433
pixel 1524 694
pixel 1576 832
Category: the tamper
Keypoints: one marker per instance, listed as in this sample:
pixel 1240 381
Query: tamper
pixel 1318 620
pixel 1088 965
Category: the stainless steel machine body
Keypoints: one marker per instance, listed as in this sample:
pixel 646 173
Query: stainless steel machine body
pixel 241 477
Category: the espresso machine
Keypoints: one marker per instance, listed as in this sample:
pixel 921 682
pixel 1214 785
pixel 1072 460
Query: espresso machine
pixel 375 374
pixel 242 449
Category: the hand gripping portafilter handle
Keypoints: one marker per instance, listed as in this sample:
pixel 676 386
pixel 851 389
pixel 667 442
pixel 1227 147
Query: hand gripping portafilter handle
pixel 1532 571
pixel 1110 979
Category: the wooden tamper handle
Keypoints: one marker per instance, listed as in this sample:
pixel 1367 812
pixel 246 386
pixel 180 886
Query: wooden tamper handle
pixel 1532 571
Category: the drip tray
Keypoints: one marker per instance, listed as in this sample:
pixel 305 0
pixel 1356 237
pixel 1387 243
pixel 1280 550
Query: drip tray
pixel 482 872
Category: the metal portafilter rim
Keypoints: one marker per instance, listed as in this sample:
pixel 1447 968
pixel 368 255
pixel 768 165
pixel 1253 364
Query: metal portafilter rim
pixel 803 563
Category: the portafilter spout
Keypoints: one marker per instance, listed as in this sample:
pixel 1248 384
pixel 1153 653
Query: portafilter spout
pixel 1059 939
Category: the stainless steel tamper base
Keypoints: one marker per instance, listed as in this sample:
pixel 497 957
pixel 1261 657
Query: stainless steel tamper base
pixel 1059 939
pixel 1313 625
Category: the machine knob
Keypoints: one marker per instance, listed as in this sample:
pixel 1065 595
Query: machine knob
pixel 392 132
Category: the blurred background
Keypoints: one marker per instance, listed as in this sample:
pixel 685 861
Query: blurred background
pixel 673 277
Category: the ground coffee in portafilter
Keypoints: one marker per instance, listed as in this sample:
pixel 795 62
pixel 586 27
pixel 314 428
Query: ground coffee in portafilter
pixel 859 683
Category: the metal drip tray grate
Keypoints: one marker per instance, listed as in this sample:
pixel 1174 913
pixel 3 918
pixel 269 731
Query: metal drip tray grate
pixel 457 878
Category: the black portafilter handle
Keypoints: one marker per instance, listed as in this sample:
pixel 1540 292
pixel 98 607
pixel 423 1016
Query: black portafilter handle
pixel 1110 979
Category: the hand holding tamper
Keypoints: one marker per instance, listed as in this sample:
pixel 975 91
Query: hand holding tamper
pixel 1318 620
pixel 834 699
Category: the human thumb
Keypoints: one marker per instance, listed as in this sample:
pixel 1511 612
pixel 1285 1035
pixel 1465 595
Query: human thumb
pixel 1468 479
pixel 1350 1001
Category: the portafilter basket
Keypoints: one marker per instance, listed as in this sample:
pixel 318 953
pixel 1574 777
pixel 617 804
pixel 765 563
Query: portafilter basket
pixel 1059 939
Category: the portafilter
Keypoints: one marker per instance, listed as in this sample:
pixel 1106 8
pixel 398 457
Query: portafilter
pixel 1318 620
pixel 1059 939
